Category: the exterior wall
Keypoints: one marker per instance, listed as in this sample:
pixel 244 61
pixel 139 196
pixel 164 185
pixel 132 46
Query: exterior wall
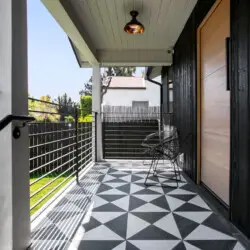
pixel 240 115
pixel 184 83
pixel 124 97
pixel 14 158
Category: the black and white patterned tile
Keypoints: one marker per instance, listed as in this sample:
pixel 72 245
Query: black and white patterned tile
pixel 124 214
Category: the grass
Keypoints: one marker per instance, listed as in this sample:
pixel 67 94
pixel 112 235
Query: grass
pixel 46 190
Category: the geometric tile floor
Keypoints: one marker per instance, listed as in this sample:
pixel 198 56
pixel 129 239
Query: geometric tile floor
pixel 120 213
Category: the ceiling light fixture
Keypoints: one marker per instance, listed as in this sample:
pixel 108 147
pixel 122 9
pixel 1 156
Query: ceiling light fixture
pixel 134 27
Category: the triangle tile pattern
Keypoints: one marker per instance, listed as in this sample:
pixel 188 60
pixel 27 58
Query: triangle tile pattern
pixel 125 214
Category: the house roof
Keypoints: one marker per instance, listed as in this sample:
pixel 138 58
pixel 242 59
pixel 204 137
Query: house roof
pixel 123 82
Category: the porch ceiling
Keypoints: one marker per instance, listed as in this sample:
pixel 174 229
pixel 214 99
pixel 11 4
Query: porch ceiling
pixel 95 28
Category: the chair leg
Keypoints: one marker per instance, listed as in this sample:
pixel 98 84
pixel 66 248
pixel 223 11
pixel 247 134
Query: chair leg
pixel 155 166
pixel 152 164
pixel 176 175
pixel 178 169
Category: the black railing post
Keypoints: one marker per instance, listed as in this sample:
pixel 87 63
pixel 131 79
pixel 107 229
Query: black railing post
pixel 95 136
pixel 76 145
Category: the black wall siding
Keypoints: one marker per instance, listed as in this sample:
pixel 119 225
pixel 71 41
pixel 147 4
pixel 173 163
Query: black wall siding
pixel 240 115
pixel 185 82
pixel 185 96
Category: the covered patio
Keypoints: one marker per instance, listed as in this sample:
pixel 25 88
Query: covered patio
pixel 111 208
pixel 105 204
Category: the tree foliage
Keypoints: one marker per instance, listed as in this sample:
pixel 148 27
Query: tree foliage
pixel 86 105
pixel 44 110
pixel 63 109
pixel 66 106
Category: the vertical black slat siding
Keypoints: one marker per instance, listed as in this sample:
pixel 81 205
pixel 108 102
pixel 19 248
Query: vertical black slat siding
pixel 240 130
pixel 185 82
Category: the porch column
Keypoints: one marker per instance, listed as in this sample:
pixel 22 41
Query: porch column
pixel 96 106
pixel 14 157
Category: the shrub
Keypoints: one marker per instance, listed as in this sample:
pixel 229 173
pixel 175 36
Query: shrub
pixel 69 118
pixel 87 118
pixel 86 105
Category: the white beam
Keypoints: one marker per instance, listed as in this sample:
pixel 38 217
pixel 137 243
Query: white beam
pixel 96 107
pixel 14 153
pixel 58 12
pixel 134 57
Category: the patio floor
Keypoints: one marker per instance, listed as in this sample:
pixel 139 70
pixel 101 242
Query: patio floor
pixel 112 209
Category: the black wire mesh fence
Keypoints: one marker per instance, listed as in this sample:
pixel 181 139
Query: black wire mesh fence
pixel 123 133
pixel 60 147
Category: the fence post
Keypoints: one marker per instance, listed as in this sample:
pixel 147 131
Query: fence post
pixel 76 144
pixel 95 137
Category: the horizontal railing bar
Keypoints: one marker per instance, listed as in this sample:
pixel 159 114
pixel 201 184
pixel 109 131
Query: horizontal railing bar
pixel 85 164
pixel 86 139
pixel 52 132
pixel 46 112
pixel 48 194
pixel 128 158
pixel 85 133
pixel 123 148
pixel 129 125
pixel 46 143
pixel 85 150
pixel 122 135
pixel 59 149
pixel 86 155
pixel 122 152
pixel 125 130
pixel 40 189
pixel 123 139
pixel 47 102
pixel 52 171
pixel 51 152
pixel 54 160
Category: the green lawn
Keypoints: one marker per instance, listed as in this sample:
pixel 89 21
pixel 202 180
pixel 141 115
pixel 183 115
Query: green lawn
pixel 46 190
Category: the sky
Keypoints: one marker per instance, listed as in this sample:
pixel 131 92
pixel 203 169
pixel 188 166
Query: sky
pixel 53 68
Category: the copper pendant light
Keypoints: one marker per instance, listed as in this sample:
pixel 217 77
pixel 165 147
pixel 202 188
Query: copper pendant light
pixel 134 27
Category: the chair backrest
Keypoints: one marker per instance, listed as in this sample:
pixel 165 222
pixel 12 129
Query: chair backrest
pixel 171 146
pixel 151 140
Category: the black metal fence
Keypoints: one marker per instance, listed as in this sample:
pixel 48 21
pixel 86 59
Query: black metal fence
pixel 60 147
pixel 124 134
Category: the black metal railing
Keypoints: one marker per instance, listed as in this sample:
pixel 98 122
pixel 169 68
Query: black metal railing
pixel 9 118
pixel 123 133
pixel 61 145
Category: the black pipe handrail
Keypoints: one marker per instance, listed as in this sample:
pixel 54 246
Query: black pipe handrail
pixel 9 118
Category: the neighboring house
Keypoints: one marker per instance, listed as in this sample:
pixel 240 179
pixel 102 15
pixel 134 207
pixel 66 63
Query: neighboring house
pixel 133 92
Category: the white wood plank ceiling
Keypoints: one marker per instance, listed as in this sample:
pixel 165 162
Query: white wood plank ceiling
pixel 102 21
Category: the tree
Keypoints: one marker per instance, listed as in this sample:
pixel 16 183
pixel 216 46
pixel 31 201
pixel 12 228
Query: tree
pixel 66 106
pixel 87 88
pixel 106 77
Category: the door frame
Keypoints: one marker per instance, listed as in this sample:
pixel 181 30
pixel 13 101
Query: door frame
pixel 199 108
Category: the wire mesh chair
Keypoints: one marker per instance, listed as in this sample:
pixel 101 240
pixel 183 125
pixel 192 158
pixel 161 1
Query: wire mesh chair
pixel 155 139
pixel 149 144
pixel 169 148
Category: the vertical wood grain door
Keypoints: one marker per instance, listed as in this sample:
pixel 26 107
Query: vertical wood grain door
pixel 215 100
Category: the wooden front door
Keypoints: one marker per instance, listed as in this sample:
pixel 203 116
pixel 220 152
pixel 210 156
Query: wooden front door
pixel 214 100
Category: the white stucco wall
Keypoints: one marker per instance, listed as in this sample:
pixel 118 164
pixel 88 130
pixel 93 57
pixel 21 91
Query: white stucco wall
pixel 14 154
pixel 125 97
